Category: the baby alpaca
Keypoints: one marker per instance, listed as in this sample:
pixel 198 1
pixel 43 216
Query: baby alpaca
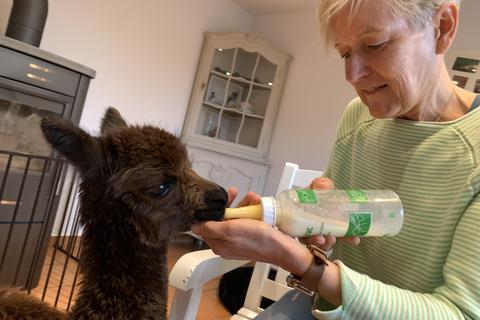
pixel 137 190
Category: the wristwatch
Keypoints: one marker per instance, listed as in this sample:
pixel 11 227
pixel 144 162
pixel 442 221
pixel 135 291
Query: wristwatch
pixel 308 283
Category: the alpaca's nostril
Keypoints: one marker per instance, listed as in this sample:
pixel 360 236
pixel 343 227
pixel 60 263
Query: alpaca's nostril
pixel 216 201
pixel 216 198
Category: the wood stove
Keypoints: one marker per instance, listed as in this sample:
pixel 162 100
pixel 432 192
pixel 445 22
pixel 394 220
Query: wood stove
pixel 33 83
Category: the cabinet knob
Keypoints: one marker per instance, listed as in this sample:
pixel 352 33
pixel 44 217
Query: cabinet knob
pixel 203 85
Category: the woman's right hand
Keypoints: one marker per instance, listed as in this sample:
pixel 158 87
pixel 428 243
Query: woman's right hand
pixel 253 240
pixel 326 242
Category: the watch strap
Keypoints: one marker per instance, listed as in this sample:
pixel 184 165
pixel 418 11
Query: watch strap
pixel 309 281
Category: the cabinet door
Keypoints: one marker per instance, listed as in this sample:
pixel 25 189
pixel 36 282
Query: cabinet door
pixel 236 95
pixel 234 105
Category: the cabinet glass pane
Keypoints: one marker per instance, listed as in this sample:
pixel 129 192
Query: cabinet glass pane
pixel 20 132
pixel 258 100
pixel 215 93
pixel 250 132
pixel 265 73
pixel 229 124
pixel 235 94
pixel 223 60
pixel 207 121
pixel 217 87
pixel 244 64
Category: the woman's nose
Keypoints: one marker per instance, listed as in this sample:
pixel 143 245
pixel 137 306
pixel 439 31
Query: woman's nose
pixel 356 68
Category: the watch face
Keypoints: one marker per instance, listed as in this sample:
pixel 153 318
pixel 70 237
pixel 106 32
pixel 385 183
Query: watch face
pixel 290 280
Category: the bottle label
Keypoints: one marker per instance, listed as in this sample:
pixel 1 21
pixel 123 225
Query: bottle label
pixel 308 232
pixel 309 196
pixel 359 224
pixel 306 196
pixel 356 195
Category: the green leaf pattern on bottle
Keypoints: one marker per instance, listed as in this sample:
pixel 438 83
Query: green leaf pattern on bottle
pixel 308 232
pixel 356 195
pixel 359 224
pixel 306 196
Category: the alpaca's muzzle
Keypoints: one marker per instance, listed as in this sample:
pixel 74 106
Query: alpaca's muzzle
pixel 216 201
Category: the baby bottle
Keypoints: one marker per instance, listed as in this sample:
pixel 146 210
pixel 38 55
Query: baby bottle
pixel 341 213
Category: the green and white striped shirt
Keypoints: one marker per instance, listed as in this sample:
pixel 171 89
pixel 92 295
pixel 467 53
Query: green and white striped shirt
pixel 431 270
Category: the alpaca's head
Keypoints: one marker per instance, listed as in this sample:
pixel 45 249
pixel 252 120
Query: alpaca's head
pixel 139 171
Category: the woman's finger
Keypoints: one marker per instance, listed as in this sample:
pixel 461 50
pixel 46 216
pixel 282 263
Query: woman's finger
pixel 249 199
pixel 323 242
pixel 351 240
pixel 209 229
pixel 327 242
pixel 321 183
pixel 317 240
pixel 232 193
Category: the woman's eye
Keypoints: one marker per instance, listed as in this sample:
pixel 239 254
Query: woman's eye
pixel 377 46
pixel 345 55
pixel 159 192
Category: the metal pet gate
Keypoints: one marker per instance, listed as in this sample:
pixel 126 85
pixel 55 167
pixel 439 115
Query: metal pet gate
pixel 38 198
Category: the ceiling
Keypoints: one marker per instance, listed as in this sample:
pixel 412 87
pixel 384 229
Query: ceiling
pixel 256 7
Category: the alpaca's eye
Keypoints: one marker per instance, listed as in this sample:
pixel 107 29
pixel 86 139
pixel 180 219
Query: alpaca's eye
pixel 160 191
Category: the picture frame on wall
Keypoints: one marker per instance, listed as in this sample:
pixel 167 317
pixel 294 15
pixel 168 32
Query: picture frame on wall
pixel 460 81
pixel 466 64
pixel 216 92
pixel 476 88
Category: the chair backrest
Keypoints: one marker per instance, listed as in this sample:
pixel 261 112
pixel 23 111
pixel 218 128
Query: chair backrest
pixel 261 285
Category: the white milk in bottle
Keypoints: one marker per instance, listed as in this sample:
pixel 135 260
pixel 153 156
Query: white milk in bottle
pixel 341 213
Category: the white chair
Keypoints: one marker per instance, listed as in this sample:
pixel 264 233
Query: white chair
pixel 196 268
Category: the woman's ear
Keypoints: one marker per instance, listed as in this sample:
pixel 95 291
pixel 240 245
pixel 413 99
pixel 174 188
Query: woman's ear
pixel 446 23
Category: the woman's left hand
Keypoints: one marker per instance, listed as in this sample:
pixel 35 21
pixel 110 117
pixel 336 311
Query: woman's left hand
pixel 326 242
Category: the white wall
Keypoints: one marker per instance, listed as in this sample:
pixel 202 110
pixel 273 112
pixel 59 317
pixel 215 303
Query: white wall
pixel 145 52
pixel 316 92
pixel 467 35
pixel 314 98
pixel 5 6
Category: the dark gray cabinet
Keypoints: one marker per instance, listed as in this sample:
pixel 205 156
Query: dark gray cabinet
pixel 33 83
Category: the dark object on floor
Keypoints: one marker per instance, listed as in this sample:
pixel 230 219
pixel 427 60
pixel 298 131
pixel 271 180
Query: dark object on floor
pixel 233 287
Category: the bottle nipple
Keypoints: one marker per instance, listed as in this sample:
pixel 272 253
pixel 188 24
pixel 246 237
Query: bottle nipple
pixel 248 212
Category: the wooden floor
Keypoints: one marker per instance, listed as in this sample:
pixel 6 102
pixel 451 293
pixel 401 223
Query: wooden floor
pixel 62 273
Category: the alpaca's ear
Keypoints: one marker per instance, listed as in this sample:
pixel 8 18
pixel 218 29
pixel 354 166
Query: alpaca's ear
pixel 76 145
pixel 112 120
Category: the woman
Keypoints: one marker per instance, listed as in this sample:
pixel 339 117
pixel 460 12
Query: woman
pixel 412 131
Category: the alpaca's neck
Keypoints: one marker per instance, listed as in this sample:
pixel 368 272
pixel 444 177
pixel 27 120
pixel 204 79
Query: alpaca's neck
pixel 122 277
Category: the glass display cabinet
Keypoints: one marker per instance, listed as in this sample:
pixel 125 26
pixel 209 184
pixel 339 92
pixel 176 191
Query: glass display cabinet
pixel 232 108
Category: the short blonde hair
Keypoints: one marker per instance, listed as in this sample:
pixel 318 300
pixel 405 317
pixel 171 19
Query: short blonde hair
pixel 417 12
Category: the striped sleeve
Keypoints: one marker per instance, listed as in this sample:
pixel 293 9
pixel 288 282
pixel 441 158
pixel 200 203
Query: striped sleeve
pixel 459 298
pixel 431 270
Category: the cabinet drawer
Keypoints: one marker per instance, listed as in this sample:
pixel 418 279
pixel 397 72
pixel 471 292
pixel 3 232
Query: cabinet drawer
pixel 22 67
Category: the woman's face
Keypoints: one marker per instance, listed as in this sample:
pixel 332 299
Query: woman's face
pixel 391 64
